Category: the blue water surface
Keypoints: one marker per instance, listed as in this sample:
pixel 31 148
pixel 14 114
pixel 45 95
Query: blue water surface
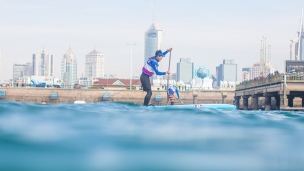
pixel 127 136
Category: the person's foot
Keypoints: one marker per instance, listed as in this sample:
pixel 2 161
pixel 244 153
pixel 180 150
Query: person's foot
pixel 151 104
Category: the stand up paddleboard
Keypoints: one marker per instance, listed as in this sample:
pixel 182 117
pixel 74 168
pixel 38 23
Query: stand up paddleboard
pixel 192 106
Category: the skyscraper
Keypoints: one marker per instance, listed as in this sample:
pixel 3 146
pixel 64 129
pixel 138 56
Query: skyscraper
pixel 153 40
pixel 294 48
pixel 297 44
pixel 219 75
pixel 226 71
pixel 184 70
pixel 68 69
pixel 94 65
pixel 21 70
pixel 43 64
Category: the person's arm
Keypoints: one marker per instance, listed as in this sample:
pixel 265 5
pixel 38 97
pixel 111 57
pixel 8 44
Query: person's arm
pixel 164 53
pixel 156 70
pixel 168 50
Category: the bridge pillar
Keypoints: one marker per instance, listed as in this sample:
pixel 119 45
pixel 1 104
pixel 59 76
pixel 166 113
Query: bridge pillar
pixel 290 101
pixel 278 100
pixel 224 95
pixel 194 98
pixel 245 102
pixel 282 101
pixel 268 102
pixel 255 100
pixel 302 101
pixel 237 102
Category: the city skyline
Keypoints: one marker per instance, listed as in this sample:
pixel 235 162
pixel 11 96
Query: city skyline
pixel 206 32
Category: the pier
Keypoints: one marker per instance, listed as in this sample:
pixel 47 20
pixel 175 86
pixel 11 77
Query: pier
pixel 159 97
pixel 278 92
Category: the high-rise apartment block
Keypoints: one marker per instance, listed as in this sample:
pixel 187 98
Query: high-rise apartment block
pixel 297 44
pixel 256 70
pixel 21 71
pixel 245 74
pixel 185 70
pixel 68 69
pixel 226 71
pixel 94 65
pixel 43 64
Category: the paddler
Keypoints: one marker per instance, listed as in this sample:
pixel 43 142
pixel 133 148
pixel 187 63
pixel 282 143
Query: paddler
pixel 171 90
pixel 148 70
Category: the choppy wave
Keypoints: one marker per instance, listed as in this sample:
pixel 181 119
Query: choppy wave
pixel 127 136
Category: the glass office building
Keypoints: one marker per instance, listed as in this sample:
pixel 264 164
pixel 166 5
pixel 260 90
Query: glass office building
pixel 21 71
pixel 227 71
pixel 185 70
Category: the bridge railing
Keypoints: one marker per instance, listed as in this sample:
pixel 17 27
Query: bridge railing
pixel 260 81
pixel 269 80
pixel 295 77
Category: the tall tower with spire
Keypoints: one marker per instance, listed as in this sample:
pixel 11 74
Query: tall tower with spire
pixel 68 69
pixel 297 44
pixel 153 40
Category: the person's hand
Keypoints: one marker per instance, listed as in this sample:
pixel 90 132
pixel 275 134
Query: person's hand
pixel 170 49
pixel 168 72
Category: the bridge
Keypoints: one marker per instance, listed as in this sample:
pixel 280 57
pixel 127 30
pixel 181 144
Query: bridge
pixel 283 88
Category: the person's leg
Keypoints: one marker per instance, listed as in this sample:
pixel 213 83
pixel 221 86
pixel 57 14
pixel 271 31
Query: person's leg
pixel 147 98
pixel 171 97
pixel 145 81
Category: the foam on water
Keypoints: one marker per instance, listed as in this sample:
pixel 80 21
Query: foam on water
pixel 127 136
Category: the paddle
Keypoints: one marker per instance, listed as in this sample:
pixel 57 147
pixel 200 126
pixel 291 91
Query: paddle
pixel 168 79
pixel 179 100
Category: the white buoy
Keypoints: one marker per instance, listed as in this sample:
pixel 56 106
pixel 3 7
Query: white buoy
pixel 79 102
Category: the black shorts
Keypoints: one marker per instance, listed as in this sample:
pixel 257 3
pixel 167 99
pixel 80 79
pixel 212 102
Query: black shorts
pixel 145 82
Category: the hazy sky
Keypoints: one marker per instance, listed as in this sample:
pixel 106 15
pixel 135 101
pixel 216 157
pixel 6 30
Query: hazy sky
pixel 205 31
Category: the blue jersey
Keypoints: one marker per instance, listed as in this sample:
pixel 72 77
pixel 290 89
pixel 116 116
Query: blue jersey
pixel 173 89
pixel 151 66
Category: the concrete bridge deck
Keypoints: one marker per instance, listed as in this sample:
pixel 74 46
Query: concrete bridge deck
pixel 273 87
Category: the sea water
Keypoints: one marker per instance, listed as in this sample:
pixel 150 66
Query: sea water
pixel 127 136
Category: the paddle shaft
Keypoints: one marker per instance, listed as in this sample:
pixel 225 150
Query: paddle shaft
pixel 178 100
pixel 168 78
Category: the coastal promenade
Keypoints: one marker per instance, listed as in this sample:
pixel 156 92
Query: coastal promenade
pixel 276 92
pixel 159 97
